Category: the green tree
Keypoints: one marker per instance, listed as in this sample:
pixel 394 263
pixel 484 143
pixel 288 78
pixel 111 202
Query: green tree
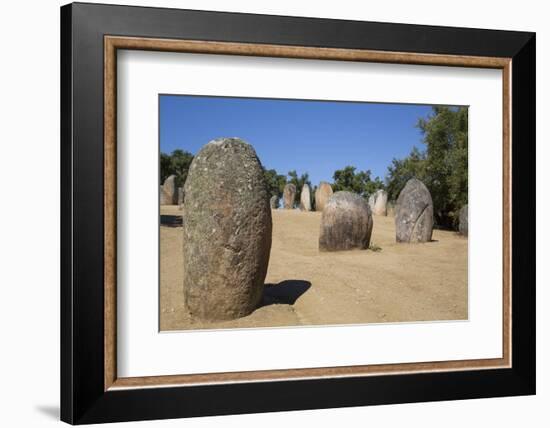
pixel 357 182
pixel 446 138
pixel 176 163
pixel 181 161
pixel 371 186
pixel 275 182
pixel 165 167
pixel 442 166
pixel 402 170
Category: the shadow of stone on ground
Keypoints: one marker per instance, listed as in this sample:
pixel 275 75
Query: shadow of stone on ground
pixel 171 220
pixel 285 292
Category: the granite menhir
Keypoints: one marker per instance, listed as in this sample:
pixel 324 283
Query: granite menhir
pixel 227 231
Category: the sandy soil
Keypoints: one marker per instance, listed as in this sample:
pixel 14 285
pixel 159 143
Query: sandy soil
pixel 401 282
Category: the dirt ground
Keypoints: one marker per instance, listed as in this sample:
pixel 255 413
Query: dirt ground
pixel 399 283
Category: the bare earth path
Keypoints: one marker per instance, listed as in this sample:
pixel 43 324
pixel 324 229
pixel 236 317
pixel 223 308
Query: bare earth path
pixel 421 282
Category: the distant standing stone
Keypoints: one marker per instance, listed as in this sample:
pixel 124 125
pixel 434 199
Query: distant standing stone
pixel 322 195
pixel 181 196
pixel 305 198
pixel 289 194
pixel 372 200
pixel 463 221
pixel 169 192
pixel 380 202
pixel 227 231
pixel 414 213
pixel 390 208
pixel 274 202
pixel 346 223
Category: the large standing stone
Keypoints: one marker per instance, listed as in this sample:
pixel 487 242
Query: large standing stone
pixel 346 223
pixel 380 202
pixel 322 195
pixel 463 221
pixel 414 213
pixel 289 194
pixel 305 198
pixel 274 202
pixel 169 191
pixel 227 231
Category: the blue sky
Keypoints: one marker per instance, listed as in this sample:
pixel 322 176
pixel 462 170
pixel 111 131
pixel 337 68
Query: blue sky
pixel 316 137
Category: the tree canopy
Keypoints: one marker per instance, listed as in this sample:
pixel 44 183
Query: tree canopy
pixel 359 182
pixel 402 170
pixel 177 163
pixel 442 166
pixel 275 182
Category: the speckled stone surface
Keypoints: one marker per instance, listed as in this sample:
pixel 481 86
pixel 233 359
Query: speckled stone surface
pixel 305 198
pixel 181 196
pixel 169 191
pixel 322 195
pixel 289 195
pixel 346 223
pixel 414 213
pixel 226 231
pixel 463 221
pixel 380 203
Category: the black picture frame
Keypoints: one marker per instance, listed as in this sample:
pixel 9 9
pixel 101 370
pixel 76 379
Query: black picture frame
pixel 83 399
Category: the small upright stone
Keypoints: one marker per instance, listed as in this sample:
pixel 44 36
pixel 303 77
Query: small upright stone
pixel 289 194
pixel 226 232
pixel 414 213
pixel 305 198
pixel 181 196
pixel 346 223
pixel 390 208
pixel 380 203
pixel 169 193
pixel 372 200
pixel 274 202
pixel 322 195
pixel 463 221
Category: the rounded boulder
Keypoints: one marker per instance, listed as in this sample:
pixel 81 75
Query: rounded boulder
pixel 346 223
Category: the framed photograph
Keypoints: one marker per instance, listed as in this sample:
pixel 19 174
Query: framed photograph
pixel 266 213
